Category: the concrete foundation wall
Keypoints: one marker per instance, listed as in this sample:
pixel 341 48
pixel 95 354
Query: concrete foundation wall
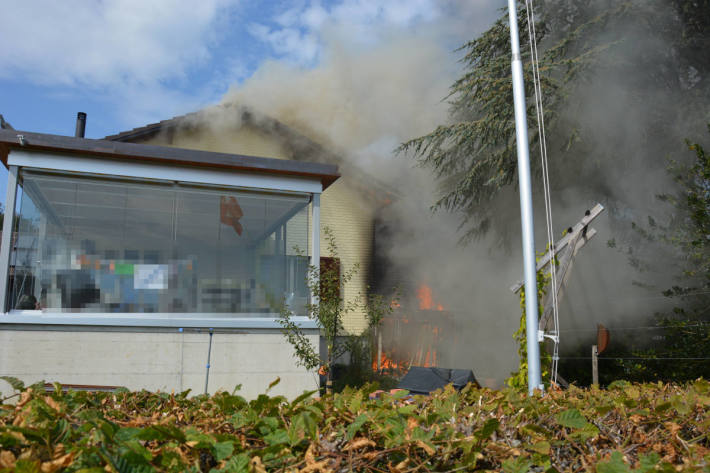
pixel 164 361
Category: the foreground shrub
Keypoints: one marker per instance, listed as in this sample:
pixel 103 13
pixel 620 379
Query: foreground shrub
pixel 627 427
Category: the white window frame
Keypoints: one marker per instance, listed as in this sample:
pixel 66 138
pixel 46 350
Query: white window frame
pixel 18 159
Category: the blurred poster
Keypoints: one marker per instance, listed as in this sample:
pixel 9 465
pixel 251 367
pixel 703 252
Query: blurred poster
pixel 150 276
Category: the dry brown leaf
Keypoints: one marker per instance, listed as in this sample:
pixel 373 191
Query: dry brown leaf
pixel 25 397
pixel 256 466
pixel 672 427
pixel 412 423
pixel 7 459
pixel 191 443
pixel 61 462
pixel 59 450
pixel 358 443
pixel 425 447
pixel 18 436
pixel 321 466
pixel 402 465
pixel 19 420
pixel 310 456
pixel 52 403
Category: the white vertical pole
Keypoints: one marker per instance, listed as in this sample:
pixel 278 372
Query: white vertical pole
pixel 5 249
pixel 526 210
pixel 315 240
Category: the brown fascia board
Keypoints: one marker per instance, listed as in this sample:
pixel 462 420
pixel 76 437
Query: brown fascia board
pixel 367 184
pixel 9 140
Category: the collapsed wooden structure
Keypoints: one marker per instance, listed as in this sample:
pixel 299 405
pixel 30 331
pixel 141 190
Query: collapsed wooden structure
pixel 563 254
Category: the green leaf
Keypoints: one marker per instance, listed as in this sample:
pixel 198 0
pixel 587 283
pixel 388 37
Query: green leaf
pixel 273 383
pixel 618 384
pixel 16 383
pixel 304 425
pixel 517 465
pixel 162 432
pixel 302 397
pixel 355 402
pixel 277 437
pixel 355 425
pixel 603 410
pixel 585 433
pixel 222 450
pixel 682 405
pixel 125 434
pixel 571 418
pixel 201 440
pixel 27 466
pixel 541 447
pixel 490 426
pixel 238 464
pixel 614 465
pixel 648 462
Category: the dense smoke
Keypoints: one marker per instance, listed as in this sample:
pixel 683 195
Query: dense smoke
pixel 362 101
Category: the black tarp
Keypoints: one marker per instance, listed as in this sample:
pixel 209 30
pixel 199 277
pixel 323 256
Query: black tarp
pixel 421 380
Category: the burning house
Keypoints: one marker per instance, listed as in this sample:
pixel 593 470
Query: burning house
pixel 354 208
pixel 149 251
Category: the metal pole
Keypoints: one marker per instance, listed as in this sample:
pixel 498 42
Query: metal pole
pixel 209 352
pixel 526 209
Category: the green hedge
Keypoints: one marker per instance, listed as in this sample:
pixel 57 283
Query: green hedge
pixel 627 427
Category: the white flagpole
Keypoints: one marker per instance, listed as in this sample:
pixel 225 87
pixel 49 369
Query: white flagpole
pixel 526 210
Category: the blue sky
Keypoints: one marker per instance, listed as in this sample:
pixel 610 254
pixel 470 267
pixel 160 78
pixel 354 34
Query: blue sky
pixel 127 63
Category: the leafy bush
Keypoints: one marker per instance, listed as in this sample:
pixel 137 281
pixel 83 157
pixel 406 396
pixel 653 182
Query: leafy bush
pixel 627 427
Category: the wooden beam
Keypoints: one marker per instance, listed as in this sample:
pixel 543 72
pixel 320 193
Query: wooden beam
pixel 564 241
pixel 563 274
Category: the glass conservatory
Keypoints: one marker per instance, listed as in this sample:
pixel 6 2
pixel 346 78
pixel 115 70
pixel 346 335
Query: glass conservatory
pixel 145 235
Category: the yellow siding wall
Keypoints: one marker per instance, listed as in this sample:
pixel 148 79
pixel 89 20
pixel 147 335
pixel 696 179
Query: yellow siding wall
pixel 343 209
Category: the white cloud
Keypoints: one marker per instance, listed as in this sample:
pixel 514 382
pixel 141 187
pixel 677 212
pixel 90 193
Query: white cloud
pixel 105 43
pixel 301 47
pixel 300 34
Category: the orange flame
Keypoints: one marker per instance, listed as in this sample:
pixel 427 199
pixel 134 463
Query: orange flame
pixel 386 364
pixel 426 299
pixel 424 296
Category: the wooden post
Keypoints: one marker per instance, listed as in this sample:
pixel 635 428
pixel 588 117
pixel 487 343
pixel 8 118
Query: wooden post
pixel 595 366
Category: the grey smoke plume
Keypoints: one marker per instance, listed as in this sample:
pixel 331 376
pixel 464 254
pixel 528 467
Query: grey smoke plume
pixel 362 102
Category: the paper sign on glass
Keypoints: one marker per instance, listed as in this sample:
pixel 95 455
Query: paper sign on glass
pixel 150 276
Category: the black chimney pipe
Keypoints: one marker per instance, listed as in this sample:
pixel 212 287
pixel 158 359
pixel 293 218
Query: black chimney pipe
pixel 80 124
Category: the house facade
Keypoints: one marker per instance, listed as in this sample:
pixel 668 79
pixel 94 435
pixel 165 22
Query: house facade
pixel 155 267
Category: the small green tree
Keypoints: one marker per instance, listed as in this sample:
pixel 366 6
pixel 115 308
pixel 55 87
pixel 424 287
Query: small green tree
pixel 328 309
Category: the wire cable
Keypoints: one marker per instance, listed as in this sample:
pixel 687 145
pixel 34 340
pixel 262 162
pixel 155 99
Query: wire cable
pixel 539 110
pixel 636 358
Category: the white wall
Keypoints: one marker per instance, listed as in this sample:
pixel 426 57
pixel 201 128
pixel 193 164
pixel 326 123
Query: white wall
pixel 155 361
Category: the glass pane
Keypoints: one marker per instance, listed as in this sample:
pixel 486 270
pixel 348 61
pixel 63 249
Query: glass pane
pixel 91 245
